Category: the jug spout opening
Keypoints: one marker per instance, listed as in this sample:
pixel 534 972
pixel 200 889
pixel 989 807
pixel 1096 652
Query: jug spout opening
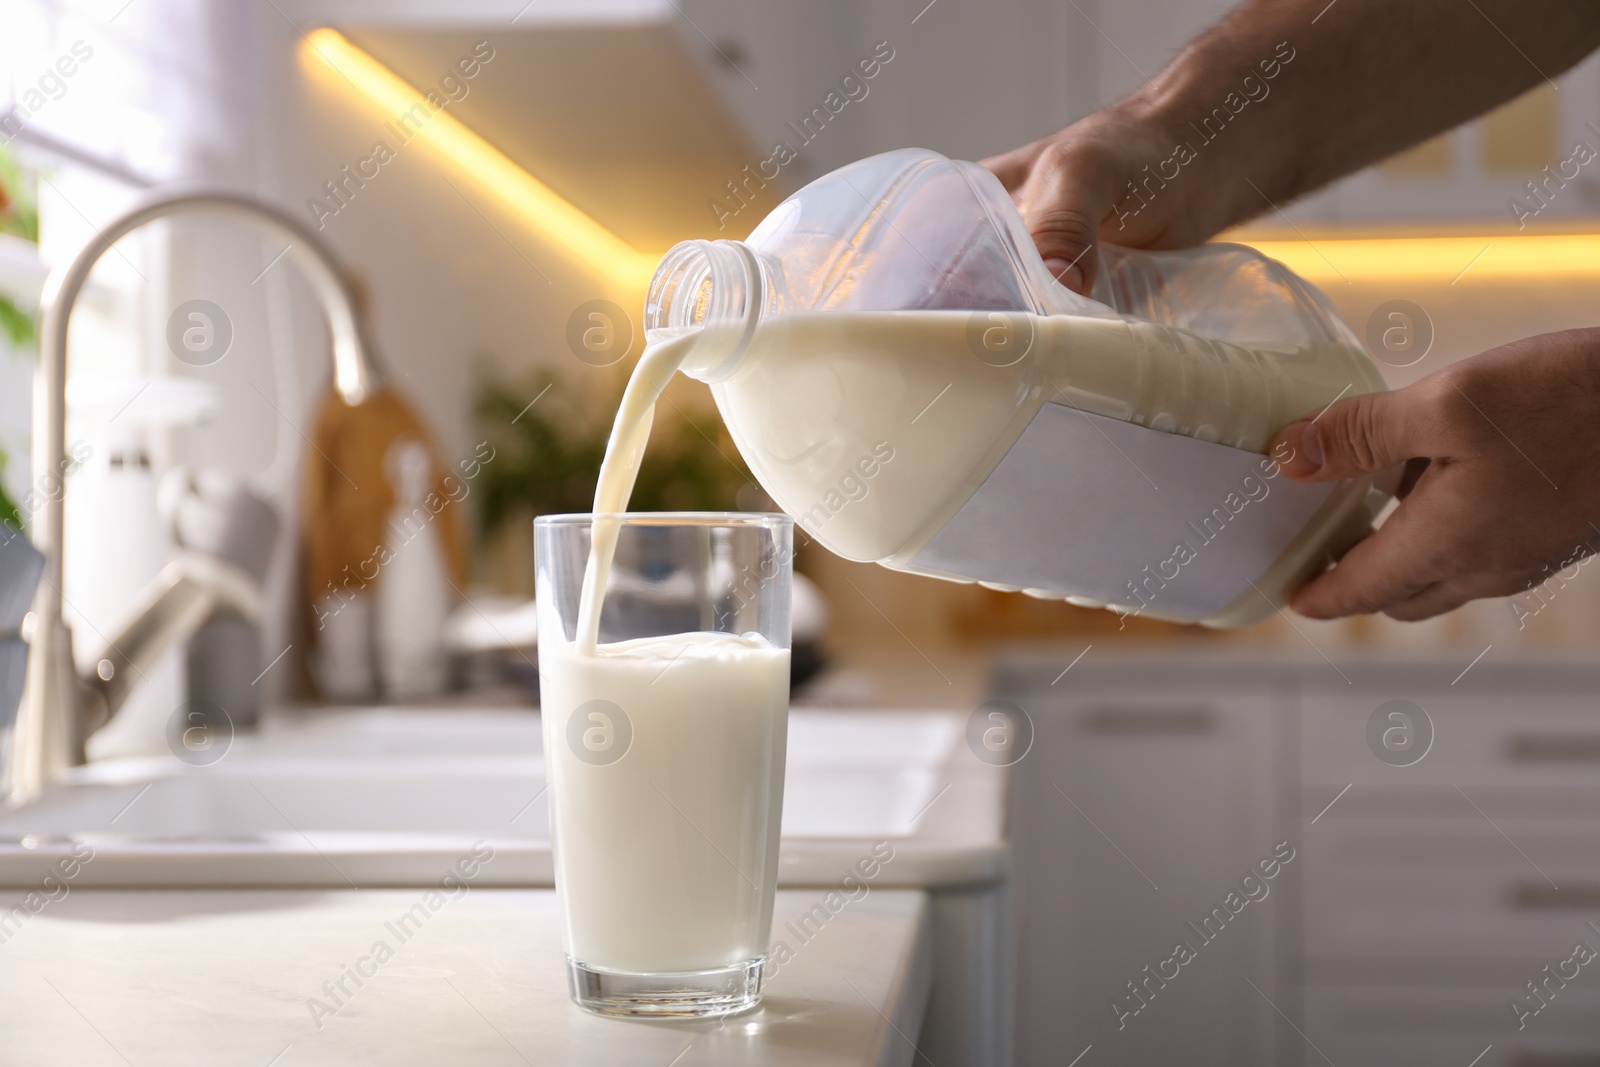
pixel 712 288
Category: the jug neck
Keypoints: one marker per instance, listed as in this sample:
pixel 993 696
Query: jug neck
pixel 715 288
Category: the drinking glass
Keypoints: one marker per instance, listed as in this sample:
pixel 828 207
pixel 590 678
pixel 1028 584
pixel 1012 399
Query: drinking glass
pixel 664 745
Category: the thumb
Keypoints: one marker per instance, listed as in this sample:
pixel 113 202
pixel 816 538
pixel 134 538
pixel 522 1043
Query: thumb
pixel 1362 435
pixel 1063 203
pixel 1066 240
pixel 1048 187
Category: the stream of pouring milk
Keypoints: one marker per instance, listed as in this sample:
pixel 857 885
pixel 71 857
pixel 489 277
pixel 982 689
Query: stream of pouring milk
pixel 667 856
pixel 620 469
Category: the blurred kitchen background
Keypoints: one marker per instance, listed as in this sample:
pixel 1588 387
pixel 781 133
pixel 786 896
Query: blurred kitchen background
pixel 638 115
pixel 579 139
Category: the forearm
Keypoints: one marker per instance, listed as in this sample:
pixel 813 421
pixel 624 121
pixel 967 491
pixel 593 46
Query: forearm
pixel 1271 105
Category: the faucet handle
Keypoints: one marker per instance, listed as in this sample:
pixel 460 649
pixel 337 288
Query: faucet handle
pixel 167 611
pixel 218 514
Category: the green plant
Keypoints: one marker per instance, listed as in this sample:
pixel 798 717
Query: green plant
pixel 19 217
pixel 10 514
pixel 15 323
pixel 549 438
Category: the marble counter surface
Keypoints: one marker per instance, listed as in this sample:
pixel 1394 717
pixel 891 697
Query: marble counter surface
pixel 284 978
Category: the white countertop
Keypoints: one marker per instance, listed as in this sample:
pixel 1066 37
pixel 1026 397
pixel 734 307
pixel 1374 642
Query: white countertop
pixel 211 977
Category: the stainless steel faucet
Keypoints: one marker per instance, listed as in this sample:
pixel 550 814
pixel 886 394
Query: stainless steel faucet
pixel 58 707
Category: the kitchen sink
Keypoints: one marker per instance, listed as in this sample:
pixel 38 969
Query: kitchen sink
pixel 391 796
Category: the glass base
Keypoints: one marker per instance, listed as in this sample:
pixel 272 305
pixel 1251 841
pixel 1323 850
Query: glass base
pixel 685 995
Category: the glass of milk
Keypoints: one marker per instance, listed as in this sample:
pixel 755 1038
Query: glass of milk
pixel 664 737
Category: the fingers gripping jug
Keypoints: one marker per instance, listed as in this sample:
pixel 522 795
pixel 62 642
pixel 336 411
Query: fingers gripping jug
pixel 906 380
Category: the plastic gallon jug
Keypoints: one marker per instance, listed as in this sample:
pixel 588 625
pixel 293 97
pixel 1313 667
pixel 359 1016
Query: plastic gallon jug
pixel 906 380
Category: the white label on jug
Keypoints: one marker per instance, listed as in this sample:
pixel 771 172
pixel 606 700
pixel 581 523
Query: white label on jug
pixel 1096 507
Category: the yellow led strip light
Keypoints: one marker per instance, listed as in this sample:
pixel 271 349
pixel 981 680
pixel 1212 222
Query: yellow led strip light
pixel 1366 259
pixel 544 209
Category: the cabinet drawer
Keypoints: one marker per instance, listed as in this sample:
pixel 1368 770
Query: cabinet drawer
pixel 1447 1028
pixel 1484 739
pixel 1450 888
pixel 1553 804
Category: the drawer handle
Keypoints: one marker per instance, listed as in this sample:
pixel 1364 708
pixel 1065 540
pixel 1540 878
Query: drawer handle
pixel 1115 719
pixel 1554 748
pixel 1538 896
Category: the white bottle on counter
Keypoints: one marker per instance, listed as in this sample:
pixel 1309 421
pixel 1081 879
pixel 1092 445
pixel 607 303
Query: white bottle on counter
pixel 413 596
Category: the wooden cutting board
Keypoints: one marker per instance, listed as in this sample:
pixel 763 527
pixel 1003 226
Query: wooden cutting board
pixel 348 497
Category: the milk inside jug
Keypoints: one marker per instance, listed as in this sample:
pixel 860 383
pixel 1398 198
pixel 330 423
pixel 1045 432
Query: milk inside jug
pixel 906 379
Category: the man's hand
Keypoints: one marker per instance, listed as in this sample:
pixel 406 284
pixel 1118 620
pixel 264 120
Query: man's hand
pixel 1502 485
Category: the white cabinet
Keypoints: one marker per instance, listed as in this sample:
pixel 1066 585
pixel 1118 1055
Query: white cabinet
pixel 1435 891
pixel 1144 803
pixel 1422 898
pixel 1134 41
pixel 968 80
